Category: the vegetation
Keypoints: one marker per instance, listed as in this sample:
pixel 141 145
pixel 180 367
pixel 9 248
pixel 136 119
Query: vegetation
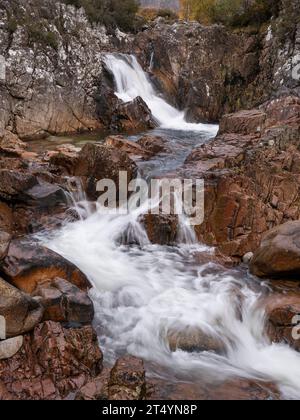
pixel 111 13
pixel 234 13
pixel 151 14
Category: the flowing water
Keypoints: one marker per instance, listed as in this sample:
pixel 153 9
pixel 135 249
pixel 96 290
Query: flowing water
pixel 143 293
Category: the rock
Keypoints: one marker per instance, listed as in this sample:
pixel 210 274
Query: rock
pixel 45 194
pixel 13 184
pixel 282 316
pixel 134 150
pixel 247 258
pixel 6 229
pixel 161 229
pixel 29 264
pixel 96 162
pixel 11 145
pixel 21 312
pixel 96 389
pixel 195 340
pixel 127 380
pixel 64 302
pixel 279 253
pixel 236 389
pixel 10 347
pixel 153 144
pixel 243 122
pixel 53 363
pixel 134 115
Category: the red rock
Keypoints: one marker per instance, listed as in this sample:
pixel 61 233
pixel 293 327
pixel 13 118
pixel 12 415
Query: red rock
pixel 29 264
pixel 53 363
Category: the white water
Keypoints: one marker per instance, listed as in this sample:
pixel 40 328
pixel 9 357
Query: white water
pixel 142 293
pixel 131 81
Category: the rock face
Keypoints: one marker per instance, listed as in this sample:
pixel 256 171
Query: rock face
pixel 6 228
pixel 251 180
pixel 21 312
pixel 249 68
pixel 27 265
pixel 279 253
pixel 53 363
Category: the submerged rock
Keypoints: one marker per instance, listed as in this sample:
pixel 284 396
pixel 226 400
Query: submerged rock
pixel 195 340
pixel 21 312
pixel 162 229
pixel 28 264
pixel 279 253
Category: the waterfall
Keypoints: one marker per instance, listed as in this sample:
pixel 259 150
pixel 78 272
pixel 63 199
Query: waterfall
pixel 131 81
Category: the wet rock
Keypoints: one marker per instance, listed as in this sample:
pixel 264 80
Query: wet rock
pixel 134 115
pixel 6 229
pixel 29 264
pixel 282 319
pixel 127 380
pixel 195 340
pixel 279 253
pixel 10 347
pixel 161 229
pixel 96 162
pixel 45 194
pixel 21 312
pixel 134 150
pixel 64 302
pixel 153 144
pixel 53 363
pixel 236 389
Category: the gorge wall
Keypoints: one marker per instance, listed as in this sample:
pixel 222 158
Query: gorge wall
pixel 52 78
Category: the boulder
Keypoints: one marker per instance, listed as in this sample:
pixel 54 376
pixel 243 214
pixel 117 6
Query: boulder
pixel 282 316
pixel 64 302
pixel 10 347
pixel 6 228
pixel 11 145
pixel 28 264
pixel 153 144
pixel 162 229
pixel 195 340
pixel 21 312
pixel 127 380
pixel 53 363
pixel 96 162
pixel 132 116
pixel 134 150
pixel 13 184
pixel 279 253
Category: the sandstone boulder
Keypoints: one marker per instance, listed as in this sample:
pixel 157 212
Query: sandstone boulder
pixel 52 364
pixel 13 184
pixel 29 264
pixel 11 145
pixel 279 253
pixel 243 122
pixel 64 302
pixel 133 149
pixel 153 144
pixel 21 312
